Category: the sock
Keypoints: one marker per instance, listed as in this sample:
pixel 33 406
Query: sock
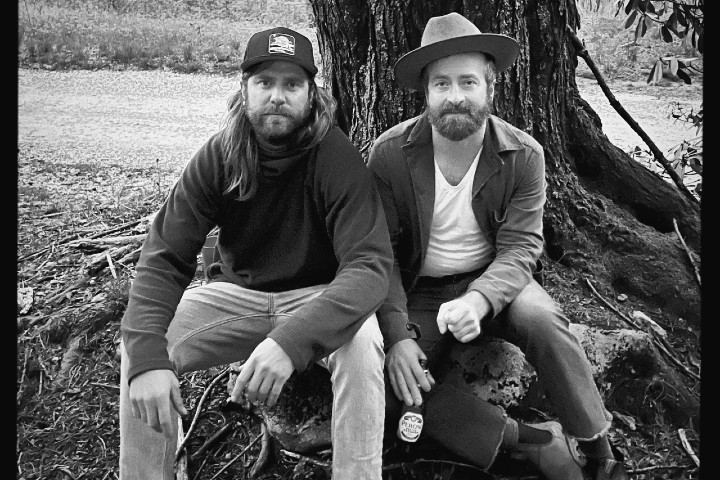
pixel 516 432
pixel 596 450
pixel 536 436
pixel 510 435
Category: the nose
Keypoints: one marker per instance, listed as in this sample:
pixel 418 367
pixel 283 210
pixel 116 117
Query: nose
pixel 455 95
pixel 277 96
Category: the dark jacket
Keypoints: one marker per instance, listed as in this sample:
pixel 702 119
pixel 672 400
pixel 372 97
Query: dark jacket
pixel 508 199
pixel 315 219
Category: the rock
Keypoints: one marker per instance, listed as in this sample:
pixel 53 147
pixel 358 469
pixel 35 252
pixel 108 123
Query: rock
pixel 300 421
pixel 624 363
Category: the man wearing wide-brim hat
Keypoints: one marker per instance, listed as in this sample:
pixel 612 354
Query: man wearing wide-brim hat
pixel 463 193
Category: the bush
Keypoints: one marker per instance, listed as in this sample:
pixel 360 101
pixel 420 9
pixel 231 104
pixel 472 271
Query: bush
pixel 188 35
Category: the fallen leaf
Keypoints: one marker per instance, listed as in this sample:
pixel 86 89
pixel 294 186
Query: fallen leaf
pixel 627 420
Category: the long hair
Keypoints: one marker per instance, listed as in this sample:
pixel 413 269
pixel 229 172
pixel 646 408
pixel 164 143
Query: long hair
pixel 239 143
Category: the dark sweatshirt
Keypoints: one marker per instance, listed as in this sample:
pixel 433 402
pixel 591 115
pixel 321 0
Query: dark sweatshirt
pixel 316 218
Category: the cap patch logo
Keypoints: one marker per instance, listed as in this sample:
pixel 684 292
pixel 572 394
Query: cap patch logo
pixel 281 43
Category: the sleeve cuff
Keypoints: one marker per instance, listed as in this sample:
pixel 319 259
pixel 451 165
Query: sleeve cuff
pixel 394 327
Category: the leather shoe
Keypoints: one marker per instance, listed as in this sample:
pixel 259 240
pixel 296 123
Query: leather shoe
pixel 559 459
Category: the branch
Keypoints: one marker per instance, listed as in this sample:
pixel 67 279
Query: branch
pixel 297 456
pixel 393 466
pixel 224 430
pixel 237 457
pixel 215 380
pixel 687 447
pixel 181 470
pixel 687 251
pixel 60 296
pixel 658 343
pixel 581 51
pixel 264 454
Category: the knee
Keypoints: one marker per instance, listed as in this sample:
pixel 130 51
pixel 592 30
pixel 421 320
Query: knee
pixel 364 352
pixel 535 316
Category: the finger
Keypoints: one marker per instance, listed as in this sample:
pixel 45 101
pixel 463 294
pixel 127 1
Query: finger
pixel 240 383
pixel 402 385
pixel 150 415
pixel 421 379
pixel 165 423
pixel 411 381
pixel 274 394
pixel 441 321
pixel 176 400
pixel 467 335
pixel 456 316
pixel 264 389
pixel 252 388
pixel 431 379
pixel 394 385
pixel 135 409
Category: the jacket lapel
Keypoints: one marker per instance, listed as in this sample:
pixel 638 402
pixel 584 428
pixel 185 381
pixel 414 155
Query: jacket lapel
pixel 418 152
pixel 496 140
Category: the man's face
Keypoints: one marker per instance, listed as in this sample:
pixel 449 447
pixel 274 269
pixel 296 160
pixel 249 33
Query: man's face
pixel 458 97
pixel 278 102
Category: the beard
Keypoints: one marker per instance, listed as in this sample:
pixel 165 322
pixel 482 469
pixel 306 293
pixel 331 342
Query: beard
pixel 278 125
pixel 457 122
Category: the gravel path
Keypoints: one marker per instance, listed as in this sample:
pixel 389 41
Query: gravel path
pixel 144 117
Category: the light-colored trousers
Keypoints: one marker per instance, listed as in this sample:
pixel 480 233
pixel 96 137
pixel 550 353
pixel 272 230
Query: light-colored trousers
pixel 220 323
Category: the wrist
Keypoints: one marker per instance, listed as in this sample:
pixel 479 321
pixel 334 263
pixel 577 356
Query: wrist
pixel 479 303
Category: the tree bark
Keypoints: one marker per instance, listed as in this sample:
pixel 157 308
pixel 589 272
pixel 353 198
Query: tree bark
pixel 606 214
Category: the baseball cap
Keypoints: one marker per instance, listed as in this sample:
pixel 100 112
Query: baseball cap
pixel 280 43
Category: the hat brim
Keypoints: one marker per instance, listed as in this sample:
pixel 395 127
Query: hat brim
pixel 310 68
pixel 502 48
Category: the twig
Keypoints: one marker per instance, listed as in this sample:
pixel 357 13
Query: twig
pixel 583 53
pixel 25 362
pixel 264 454
pixel 655 467
pixel 393 466
pixel 654 338
pixel 224 430
pixel 115 229
pixel 297 456
pixel 687 447
pixel 197 410
pixel 687 251
pixel 78 283
pixel 237 457
pixel 110 264
pixel 115 387
pixel 181 472
pixel 107 241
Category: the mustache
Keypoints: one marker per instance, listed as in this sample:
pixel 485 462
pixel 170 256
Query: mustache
pixel 278 110
pixel 455 109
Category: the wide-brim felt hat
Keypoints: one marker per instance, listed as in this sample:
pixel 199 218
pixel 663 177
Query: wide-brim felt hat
pixel 448 35
pixel 280 43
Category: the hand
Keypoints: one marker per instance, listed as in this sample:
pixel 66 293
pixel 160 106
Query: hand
pixel 462 316
pixel 152 395
pixel 263 374
pixel 406 375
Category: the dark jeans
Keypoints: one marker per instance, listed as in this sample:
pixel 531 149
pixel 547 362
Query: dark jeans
pixel 536 324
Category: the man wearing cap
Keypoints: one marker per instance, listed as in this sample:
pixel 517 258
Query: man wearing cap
pixel 304 262
pixel 463 193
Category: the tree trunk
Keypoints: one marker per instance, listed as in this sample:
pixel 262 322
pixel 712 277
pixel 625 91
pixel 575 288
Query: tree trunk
pixel 606 214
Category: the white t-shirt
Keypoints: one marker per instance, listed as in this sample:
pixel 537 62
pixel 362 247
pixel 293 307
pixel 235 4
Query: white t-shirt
pixel 456 243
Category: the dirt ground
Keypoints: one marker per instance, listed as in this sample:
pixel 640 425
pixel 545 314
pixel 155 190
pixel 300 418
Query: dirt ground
pixel 97 151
